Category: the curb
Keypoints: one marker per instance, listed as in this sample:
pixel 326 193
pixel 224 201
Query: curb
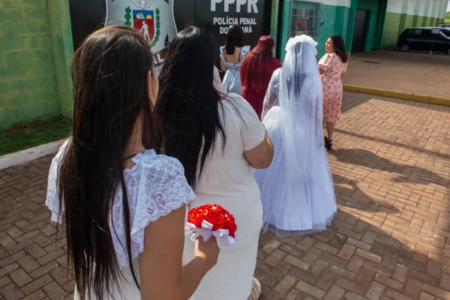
pixel 25 156
pixel 399 95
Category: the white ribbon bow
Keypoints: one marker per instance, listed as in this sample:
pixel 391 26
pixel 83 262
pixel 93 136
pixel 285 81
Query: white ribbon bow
pixel 222 235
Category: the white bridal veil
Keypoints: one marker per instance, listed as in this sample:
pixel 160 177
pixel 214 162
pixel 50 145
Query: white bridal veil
pixel 297 189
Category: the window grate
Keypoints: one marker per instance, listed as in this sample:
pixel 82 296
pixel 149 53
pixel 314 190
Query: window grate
pixel 305 18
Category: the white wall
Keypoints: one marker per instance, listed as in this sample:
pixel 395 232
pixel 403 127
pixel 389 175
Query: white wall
pixel 426 8
pixel 331 2
pixel 394 6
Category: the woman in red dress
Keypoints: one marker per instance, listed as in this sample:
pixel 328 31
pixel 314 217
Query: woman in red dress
pixel 256 72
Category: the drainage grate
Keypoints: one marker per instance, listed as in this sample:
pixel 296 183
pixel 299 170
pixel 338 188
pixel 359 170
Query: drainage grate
pixel 370 62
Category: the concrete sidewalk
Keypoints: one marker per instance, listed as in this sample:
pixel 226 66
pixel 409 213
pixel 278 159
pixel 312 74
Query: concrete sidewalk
pixel 409 73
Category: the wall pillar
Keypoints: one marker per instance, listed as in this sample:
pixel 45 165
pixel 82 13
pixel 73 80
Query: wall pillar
pixel 378 40
pixel 415 21
pixel 274 21
pixel 351 25
pixel 61 32
pixel 341 26
pixel 427 12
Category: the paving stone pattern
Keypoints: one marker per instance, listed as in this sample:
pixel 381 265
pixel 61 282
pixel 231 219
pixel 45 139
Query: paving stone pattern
pixel 390 239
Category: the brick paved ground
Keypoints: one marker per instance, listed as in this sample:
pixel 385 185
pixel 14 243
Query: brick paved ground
pixel 390 240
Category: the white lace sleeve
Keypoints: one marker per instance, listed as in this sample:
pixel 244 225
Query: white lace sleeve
pixel 52 201
pixel 156 186
pixel 271 98
pixel 162 189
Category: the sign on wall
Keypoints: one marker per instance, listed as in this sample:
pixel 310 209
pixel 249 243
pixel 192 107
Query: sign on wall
pixel 215 16
pixel 153 18
pixel 160 20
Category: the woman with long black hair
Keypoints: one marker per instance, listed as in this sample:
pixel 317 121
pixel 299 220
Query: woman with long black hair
pixel 124 206
pixel 232 55
pixel 217 137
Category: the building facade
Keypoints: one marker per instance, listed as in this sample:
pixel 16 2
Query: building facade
pixel 37 38
pixel 401 14
pixel 364 24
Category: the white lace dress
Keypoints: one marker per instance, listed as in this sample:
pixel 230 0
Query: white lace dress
pixel 272 90
pixel 227 180
pixel 156 185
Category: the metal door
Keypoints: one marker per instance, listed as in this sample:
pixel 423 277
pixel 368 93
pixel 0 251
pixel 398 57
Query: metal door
pixel 360 31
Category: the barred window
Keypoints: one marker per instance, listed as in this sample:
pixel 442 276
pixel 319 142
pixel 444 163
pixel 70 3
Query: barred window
pixel 305 18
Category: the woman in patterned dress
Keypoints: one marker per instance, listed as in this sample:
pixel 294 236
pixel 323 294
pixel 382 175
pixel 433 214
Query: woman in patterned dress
pixel 332 66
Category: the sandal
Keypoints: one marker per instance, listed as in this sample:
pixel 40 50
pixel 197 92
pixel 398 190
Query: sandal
pixel 328 143
pixel 256 290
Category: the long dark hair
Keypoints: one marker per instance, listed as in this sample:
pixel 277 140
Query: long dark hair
pixel 339 47
pixel 255 70
pixel 109 73
pixel 235 38
pixel 188 103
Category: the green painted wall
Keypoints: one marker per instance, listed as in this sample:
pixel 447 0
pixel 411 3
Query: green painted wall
pixel 378 39
pixel 336 22
pixel 395 24
pixel 27 70
pixel 284 22
pixel 392 28
pixel 274 20
pixel 29 62
pixel 351 24
pixel 372 7
pixel 328 28
pixel 340 20
pixel 61 29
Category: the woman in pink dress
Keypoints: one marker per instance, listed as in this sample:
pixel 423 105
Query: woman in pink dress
pixel 332 66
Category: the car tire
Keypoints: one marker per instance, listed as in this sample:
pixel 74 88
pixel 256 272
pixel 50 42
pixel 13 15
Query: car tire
pixel 406 48
pixel 448 51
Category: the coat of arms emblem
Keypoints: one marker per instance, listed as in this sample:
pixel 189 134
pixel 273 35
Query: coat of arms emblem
pixel 144 22
pixel 147 22
pixel 153 18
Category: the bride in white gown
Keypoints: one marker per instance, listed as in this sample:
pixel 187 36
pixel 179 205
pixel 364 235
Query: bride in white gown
pixel 297 189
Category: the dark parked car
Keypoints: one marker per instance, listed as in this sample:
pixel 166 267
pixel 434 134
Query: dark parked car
pixel 425 39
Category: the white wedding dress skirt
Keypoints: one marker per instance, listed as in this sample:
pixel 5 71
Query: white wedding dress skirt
pixel 299 203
